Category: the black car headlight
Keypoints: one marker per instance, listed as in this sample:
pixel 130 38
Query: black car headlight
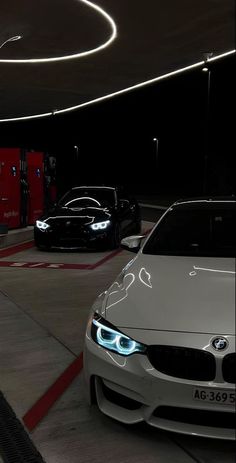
pixel 107 336
pixel 100 225
pixel 42 225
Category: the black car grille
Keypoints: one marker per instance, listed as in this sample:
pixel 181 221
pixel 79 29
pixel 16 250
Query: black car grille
pixel 198 417
pixel 229 368
pixel 68 224
pixel 181 362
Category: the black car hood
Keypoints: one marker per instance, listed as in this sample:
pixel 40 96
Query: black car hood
pixel 93 214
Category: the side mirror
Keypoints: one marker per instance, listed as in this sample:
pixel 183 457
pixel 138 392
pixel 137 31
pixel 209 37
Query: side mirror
pixel 132 243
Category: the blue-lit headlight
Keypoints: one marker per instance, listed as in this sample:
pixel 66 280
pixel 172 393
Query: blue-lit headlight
pixel 42 225
pixel 104 334
pixel 100 225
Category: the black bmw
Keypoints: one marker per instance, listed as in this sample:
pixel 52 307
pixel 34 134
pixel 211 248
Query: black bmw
pixel 89 216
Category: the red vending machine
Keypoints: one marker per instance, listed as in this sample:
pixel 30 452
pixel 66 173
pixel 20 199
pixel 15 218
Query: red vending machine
pixel 10 186
pixel 35 177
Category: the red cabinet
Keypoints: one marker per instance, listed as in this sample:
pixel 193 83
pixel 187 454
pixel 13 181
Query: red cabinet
pixel 10 186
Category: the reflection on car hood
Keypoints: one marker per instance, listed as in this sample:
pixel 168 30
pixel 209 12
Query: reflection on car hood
pixel 191 294
pixel 95 213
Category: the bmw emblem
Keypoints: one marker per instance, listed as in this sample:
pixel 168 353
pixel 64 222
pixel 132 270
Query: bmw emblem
pixel 219 343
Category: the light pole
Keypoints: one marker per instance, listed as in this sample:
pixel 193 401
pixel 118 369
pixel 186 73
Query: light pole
pixel 11 39
pixel 156 141
pixel 76 148
pixel 206 69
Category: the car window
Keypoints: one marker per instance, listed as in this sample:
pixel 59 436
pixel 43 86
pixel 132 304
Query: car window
pixel 196 232
pixel 89 197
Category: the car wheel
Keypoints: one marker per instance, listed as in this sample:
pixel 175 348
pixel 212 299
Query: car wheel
pixel 42 247
pixel 115 238
pixel 137 227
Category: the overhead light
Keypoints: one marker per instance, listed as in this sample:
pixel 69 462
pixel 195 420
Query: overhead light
pixel 108 41
pixel 121 92
pixel 12 39
pixel 205 69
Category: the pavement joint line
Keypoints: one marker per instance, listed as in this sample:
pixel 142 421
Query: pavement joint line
pixel 154 206
pixel 41 408
pixel 188 452
pixel 30 317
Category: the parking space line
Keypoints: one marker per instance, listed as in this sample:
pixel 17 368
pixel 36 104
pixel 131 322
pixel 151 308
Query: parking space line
pixel 40 409
pixel 15 249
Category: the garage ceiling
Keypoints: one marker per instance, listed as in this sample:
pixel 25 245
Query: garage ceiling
pixel 67 53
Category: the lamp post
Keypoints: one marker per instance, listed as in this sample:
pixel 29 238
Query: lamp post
pixel 206 69
pixel 156 141
pixel 11 39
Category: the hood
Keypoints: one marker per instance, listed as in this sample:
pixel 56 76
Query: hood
pixel 185 294
pixel 93 214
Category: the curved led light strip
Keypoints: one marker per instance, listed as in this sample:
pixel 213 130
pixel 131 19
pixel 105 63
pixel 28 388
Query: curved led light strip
pixel 119 92
pixel 76 55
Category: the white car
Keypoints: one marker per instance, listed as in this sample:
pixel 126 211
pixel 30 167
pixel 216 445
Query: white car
pixel 160 342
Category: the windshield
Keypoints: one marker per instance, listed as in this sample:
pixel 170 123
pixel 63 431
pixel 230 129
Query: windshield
pixel 194 232
pixel 89 197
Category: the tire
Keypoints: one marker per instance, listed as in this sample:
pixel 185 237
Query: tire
pixel 115 238
pixel 137 227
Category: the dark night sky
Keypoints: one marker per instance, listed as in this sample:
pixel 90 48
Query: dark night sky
pixel 115 137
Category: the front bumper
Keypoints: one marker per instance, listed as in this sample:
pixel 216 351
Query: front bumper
pixel 130 390
pixel 84 238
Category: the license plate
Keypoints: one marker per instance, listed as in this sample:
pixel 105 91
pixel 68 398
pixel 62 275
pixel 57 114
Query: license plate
pixel 214 396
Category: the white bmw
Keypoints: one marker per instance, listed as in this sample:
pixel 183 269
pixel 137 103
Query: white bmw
pixel 160 342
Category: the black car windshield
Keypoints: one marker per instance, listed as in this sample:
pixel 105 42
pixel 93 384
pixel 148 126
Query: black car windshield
pixel 208 232
pixel 89 197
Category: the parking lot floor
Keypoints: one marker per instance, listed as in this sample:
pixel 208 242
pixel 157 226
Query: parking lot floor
pixel 43 314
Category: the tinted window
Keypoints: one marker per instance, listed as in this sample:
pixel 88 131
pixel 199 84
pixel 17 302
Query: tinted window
pixel 89 197
pixel 194 232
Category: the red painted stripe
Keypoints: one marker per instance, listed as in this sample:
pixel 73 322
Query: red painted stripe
pixel 105 259
pixel 17 248
pixel 43 405
pixel 49 265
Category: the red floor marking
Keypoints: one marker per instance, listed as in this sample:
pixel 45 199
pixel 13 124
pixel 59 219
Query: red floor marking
pixel 17 248
pixel 43 405
pixel 108 257
pixel 50 265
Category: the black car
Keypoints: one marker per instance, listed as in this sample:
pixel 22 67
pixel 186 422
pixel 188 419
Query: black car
pixel 89 216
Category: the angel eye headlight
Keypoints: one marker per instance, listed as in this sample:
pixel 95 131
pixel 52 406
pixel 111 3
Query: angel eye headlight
pixel 100 225
pixel 104 334
pixel 42 225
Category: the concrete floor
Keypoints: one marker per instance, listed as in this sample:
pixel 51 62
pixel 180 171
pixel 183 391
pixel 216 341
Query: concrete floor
pixel 43 313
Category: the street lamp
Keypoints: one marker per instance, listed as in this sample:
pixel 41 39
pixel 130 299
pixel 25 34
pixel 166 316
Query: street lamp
pixel 156 141
pixel 76 148
pixel 206 69
pixel 12 39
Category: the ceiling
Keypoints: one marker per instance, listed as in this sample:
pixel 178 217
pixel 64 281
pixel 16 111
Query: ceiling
pixel 71 52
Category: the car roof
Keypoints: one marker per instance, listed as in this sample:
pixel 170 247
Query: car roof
pixel 205 202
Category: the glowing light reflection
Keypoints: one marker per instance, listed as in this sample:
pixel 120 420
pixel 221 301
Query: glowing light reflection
pixel 119 92
pixel 75 55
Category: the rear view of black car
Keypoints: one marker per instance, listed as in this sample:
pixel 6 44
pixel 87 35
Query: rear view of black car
pixel 89 216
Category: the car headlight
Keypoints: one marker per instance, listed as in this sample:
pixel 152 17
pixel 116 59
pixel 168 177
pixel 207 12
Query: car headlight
pixel 107 336
pixel 100 225
pixel 42 225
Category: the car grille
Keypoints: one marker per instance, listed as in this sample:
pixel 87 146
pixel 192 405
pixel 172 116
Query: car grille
pixel 181 362
pixel 68 227
pixel 229 368
pixel 198 417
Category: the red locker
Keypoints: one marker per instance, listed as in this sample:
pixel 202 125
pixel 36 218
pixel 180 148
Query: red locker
pixel 10 186
pixel 35 176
